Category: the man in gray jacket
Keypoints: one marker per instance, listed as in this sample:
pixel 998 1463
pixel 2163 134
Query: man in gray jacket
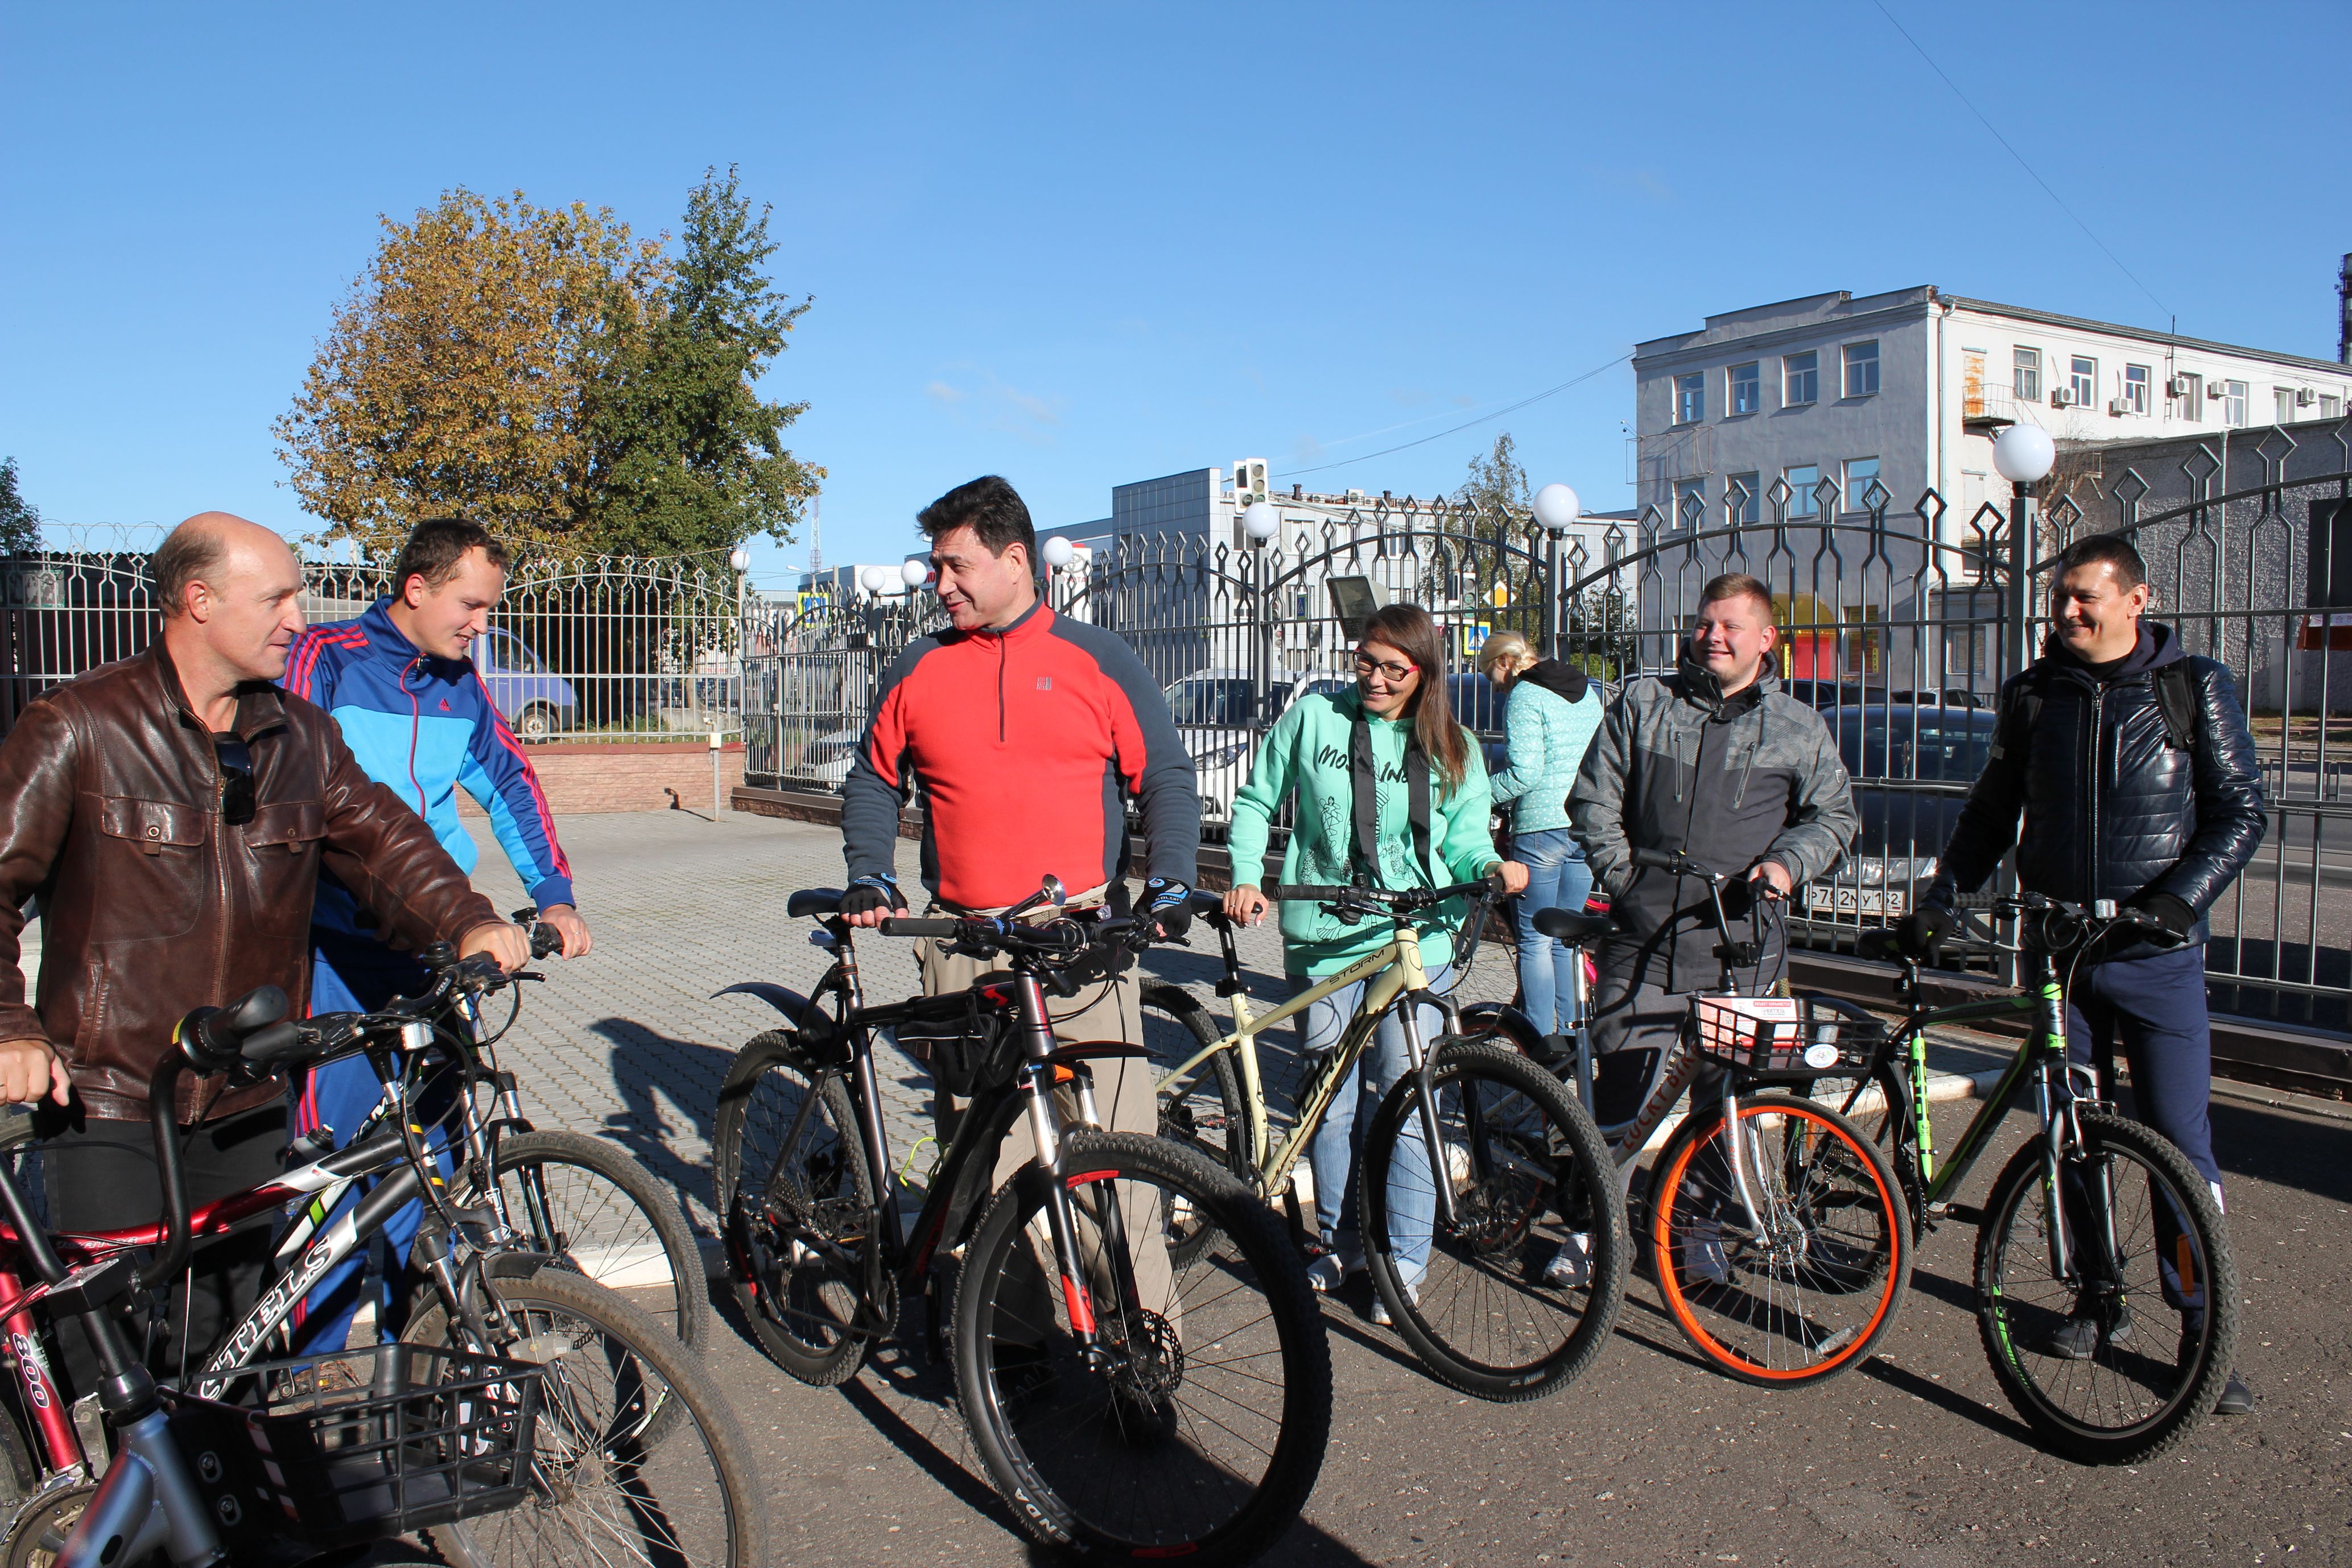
pixel 1718 761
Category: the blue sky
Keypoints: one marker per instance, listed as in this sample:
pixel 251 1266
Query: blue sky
pixel 1084 244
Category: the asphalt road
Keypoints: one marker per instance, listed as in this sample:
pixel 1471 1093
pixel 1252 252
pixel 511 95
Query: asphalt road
pixel 1914 1460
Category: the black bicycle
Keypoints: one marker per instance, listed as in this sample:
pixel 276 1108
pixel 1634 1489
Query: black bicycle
pixel 1126 1402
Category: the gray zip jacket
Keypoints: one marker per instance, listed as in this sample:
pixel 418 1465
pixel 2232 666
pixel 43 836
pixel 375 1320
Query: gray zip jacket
pixel 1731 782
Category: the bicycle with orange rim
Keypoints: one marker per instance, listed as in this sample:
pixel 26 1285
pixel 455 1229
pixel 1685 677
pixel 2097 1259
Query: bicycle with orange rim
pixel 1777 1232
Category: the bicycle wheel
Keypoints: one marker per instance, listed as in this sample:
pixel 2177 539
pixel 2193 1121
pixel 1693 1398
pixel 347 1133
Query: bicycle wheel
pixel 1518 1296
pixel 608 1217
pixel 636 1457
pixel 796 1219
pixel 1810 1295
pixel 2162 1323
pixel 1207 1112
pixel 1198 1428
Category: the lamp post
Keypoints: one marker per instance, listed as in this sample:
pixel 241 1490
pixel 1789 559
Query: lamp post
pixel 1557 509
pixel 2024 455
pixel 1260 523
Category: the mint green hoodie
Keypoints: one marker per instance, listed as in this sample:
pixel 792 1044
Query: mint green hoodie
pixel 1307 753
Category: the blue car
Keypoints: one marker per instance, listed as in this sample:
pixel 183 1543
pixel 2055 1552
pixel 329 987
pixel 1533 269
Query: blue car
pixel 1911 764
pixel 537 705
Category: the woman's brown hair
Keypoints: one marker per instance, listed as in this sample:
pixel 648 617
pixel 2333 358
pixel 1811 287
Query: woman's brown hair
pixel 1408 629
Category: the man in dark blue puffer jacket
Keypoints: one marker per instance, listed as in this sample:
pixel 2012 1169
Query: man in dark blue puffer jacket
pixel 2137 779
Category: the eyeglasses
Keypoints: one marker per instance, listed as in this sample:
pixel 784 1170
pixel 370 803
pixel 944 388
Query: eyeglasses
pixel 236 780
pixel 1366 668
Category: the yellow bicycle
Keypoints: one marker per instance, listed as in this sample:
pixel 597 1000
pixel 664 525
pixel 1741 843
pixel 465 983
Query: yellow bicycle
pixel 1505 1277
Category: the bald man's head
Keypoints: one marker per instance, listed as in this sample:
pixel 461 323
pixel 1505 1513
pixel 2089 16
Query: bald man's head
pixel 231 593
pixel 205 550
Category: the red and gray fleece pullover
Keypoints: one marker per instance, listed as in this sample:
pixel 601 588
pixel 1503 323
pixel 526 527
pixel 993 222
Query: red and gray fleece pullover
pixel 1027 742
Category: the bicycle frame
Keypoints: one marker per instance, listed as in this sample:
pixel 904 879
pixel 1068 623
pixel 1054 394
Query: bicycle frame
pixel 961 1179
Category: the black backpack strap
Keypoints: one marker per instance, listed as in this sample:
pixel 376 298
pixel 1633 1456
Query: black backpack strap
pixel 1363 789
pixel 2018 717
pixel 2177 698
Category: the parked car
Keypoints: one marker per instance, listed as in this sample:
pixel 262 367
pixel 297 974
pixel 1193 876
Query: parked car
pixel 537 705
pixel 1221 718
pixel 1912 764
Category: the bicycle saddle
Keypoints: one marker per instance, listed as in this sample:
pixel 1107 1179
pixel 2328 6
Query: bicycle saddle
pixel 1567 925
pixel 813 901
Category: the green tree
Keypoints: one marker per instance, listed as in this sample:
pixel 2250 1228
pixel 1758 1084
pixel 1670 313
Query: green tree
pixel 688 458
pixel 20 522
pixel 1498 485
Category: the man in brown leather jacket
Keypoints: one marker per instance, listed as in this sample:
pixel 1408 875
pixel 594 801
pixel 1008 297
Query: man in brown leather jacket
pixel 171 813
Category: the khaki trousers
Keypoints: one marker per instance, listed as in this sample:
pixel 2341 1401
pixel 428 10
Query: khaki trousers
pixel 1124 1097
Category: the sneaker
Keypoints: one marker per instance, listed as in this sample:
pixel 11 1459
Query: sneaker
pixel 2080 1336
pixel 1327 1271
pixel 2236 1399
pixel 1570 1267
pixel 1381 1317
pixel 1703 1261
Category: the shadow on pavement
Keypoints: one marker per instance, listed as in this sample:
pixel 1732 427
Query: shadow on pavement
pixel 667 1085
pixel 1998 1423
pixel 2306 1151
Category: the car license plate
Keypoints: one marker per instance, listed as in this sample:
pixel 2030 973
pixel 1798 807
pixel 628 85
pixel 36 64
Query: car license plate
pixel 1855 901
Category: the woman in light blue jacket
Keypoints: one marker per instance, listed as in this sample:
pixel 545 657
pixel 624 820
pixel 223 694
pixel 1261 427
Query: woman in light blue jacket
pixel 1552 714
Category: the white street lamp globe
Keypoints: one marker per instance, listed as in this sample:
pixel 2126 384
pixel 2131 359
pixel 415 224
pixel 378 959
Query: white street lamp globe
pixel 740 560
pixel 915 574
pixel 2024 453
pixel 1557 507
pixel 873 579
pixel 1057 552
pixel 1259 520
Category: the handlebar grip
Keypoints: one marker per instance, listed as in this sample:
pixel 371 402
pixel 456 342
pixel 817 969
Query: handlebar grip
pixel 281 1042
pixel 899 926
pixel 1658 859
pixel 223 1033
pixel 545 939
pixel 1303 892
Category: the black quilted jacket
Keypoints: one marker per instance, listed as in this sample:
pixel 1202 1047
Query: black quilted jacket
pixel 2110 808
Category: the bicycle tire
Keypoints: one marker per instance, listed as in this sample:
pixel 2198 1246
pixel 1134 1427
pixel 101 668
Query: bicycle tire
pixel 1843 1232
pixel 795 1221
pixel 2008 1325
pixel 1212 1122
pixel 1235 1319
pixel 1508 1230
pixel 619 1258
pixel 644 1451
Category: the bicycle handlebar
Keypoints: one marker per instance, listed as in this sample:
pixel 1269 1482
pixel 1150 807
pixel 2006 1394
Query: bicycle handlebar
pixel 900 925
pixel 1403 900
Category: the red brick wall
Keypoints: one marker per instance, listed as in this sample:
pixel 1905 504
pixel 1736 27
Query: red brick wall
pixel 580 780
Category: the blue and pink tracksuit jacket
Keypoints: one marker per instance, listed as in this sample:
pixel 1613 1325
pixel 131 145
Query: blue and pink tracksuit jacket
pixel 422 726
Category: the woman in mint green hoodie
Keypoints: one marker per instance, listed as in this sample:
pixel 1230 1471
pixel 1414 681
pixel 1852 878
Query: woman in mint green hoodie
pixel 1399 698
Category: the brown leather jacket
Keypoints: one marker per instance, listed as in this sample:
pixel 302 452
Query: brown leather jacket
pixel 150 904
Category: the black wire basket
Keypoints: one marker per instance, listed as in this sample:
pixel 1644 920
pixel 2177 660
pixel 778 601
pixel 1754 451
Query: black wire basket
pixel 363 1445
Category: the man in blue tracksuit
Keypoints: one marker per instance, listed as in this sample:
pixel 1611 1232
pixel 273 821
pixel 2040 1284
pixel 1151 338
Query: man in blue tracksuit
pixel 401 682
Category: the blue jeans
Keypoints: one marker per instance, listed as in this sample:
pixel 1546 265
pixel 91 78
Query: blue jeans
pixel 1558 878
pixel 1412 1202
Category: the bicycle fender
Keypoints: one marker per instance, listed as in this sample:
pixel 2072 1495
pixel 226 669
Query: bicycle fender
pixel 783 999
pixel 1502 1018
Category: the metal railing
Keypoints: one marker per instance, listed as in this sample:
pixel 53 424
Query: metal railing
pixel 598 649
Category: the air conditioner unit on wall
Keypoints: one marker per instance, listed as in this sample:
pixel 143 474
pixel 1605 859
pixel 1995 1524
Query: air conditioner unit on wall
pixel 2062 397
pixel 2180 385
pixel 2305 397
pixel 2121 405
pixel 2216 390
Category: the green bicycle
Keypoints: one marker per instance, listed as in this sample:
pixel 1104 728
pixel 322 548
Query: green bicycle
pixel 1468 1266
pixel 2098 1238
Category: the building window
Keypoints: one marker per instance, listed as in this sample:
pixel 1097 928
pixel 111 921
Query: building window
pixel 1746 389
pixel 1802 480
pixel 2284 398
pixel 1862 369
pixel 2233 403
pixel 2136 389
pixel 1743 498
pixel 2190 404
pixel 1690 504
pixel 2027 383
pixel 1801 378
pixel 1860 473
pixel 1690 397
pixel 2329 407
pixel 2083 382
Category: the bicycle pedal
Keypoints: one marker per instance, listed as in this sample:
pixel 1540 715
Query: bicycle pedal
pixel 1964 1214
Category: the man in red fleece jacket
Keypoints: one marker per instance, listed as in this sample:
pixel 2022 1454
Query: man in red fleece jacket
pixel 1026 733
